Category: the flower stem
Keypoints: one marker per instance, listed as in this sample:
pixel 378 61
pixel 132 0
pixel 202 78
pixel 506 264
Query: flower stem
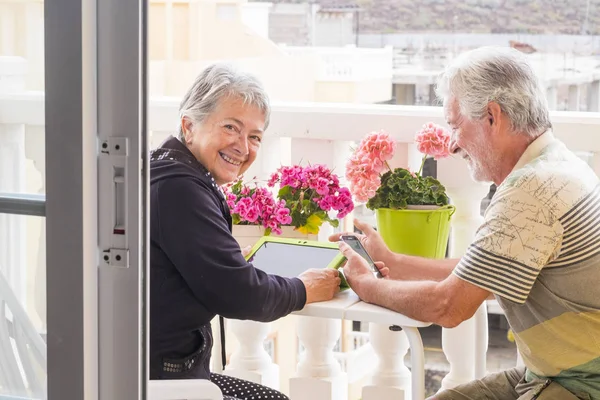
pixel 422 164
pixel 387 165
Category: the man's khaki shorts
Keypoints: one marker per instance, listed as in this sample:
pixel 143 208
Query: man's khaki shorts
pixel 508 385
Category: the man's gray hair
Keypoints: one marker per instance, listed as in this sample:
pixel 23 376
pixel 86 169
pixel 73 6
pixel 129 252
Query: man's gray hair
pixel 217 82
pixel 501 75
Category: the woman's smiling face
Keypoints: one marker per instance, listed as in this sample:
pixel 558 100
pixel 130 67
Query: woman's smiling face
pixel 227 140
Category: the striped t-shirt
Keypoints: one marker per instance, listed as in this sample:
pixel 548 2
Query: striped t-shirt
pixel 538 251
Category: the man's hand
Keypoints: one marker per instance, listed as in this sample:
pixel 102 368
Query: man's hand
pixel 371 241
pixel 321 284
pixel 357 270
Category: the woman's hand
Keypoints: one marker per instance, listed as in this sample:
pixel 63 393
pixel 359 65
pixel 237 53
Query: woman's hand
pixel 246 250
pixel 321 284
pixel 371 241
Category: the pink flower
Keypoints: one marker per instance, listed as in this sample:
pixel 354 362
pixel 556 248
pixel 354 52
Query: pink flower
pixel 379 144
pixel 273 180
pixel 256 206
pixel 322 186
pixel 433 140
pixel 368 162
pixel 326 203
pixel 343 202
pixel 242 205
pixel 283 216
pixel 311 189
pixel 251 215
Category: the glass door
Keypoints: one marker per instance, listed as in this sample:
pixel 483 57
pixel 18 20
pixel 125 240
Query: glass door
pixel 23 317
pixel 72 149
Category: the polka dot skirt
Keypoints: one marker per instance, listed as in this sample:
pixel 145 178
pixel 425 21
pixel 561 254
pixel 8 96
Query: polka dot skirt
pixel 238 389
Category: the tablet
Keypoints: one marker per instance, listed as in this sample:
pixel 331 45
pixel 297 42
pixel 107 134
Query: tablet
pixel 291 257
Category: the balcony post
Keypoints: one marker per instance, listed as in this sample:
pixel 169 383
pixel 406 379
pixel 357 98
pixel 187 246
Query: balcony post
pixel 481 341
pixel 574 97
pixel 319 375
pixel 391 378
pixel 593 96
pixel 552 97
pixel 250 361
pixel 464 345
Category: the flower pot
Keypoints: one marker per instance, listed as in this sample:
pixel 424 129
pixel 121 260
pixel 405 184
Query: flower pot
pixel 418 230
pixel 248 235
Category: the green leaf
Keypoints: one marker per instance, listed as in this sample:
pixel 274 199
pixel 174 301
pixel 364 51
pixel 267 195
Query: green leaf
pixel 237 187
pixel 312 225
pixel 399 188
pixel 284 192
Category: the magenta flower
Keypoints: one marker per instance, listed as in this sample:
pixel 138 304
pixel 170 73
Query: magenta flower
pixel 256 206
pixel 306 195
pixel 251 215
pixel 283 216
pixel 310 191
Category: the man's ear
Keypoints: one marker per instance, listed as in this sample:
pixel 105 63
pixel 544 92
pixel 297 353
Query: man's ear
pixel 494 113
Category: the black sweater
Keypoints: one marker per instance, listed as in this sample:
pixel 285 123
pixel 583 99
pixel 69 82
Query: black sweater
pixel 197 269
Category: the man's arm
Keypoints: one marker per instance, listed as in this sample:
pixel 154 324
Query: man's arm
pixel 402 267
pixel 411 268
pixel 446 303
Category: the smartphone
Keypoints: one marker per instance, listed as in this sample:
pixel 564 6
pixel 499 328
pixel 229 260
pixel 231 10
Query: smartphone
pixel 357 246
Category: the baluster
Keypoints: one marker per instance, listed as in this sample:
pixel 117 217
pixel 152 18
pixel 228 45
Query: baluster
pixel 319 375
pixel 459 347
pixel 481 341
pixel 462 343
pixel 250 361
pixel 391 378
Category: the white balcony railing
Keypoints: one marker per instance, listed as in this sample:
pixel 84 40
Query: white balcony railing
pixel 317 133
pixel 348 63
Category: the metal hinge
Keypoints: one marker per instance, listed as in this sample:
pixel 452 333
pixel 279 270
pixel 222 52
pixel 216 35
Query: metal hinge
pixel 116 257
pixel 114 146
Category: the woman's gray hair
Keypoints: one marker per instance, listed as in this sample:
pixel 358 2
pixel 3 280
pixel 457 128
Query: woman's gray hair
pixel 501 75
pixel 216 82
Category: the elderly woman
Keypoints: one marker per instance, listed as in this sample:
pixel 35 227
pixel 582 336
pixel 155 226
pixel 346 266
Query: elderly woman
pixel 197 269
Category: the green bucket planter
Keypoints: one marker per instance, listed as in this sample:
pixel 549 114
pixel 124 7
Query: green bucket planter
pixel 418 231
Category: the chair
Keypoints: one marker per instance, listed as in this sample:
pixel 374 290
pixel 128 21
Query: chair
pixel 183 389
pixel 191 389
pixel 28 351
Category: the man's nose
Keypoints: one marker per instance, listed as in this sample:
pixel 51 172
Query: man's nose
pixel 453 146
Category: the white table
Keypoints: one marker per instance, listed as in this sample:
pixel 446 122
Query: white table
pixel 348 306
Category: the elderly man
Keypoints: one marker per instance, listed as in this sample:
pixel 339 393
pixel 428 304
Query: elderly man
pixel 537 251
